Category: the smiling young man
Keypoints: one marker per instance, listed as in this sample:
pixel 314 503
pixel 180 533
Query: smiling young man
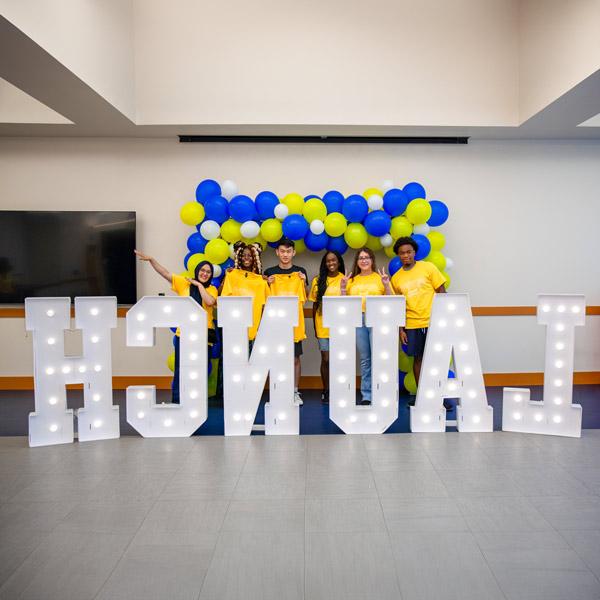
pixel 288 279
pixel 418 282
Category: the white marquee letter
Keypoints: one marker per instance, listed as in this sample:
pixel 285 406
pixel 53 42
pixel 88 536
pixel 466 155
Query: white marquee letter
pixel 272 354
pixel 451 334
pixel 52 422
pixel 170 420
pixel 555 414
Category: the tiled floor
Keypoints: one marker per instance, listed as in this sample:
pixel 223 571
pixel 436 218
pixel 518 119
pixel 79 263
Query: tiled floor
pixel 411 516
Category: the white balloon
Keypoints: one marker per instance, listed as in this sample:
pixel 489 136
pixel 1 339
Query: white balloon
pixel 281 211
pixel 375 202
pixel 422 229
pixel 386 240
pixel 232 251
pixel 449 263
pixel 388 184
pixel 229 189
pixel 250 229
pixel 317 226
pixel 217 270
pixel 210 230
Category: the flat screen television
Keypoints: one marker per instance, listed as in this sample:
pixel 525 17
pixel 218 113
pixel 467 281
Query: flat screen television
pixel 67 253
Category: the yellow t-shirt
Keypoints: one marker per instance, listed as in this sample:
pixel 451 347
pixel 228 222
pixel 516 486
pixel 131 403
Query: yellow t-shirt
pixel 292 285
pixel 418 286
pixel 365 285
pixel 181 286
pixel 333 289
pixel 243 283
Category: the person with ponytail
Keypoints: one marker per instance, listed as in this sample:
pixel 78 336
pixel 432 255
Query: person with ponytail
pixel 200 289
pixel 327 283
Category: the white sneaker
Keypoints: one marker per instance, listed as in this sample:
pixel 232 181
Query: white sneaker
pixel 298 399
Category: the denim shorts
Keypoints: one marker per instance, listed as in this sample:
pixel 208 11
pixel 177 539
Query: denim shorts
pixel 323 344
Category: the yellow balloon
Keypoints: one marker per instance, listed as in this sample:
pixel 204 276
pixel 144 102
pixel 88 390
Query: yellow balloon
pixel 389 251
pixel 405 362
pixel 171 361
pixel 294 202
pixel 335 224
pixel 230 231
pixel 401 227
pixel 299 246
pixel 418 211
pixel 193 261
pixel 271 230
pixel 192 213
pixel 356 235
pixel 373 243
pixel 314 209
pixel 437 258
pixel 409 383
pixel 448 280
pixel 436 239
pixel 217 251
pixel 372 192
pixel 259 239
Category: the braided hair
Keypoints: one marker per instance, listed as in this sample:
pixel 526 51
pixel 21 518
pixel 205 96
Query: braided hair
pixel 323 273
pixel 255 249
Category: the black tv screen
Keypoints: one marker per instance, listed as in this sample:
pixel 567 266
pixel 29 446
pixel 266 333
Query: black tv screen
pixel 67 253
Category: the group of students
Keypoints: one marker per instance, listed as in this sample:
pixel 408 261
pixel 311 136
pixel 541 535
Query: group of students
pixel 417 281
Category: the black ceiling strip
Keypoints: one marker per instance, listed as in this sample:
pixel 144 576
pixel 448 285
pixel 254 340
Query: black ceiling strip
pixel 316 139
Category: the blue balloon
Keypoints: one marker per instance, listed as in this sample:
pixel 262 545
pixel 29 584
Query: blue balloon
pixel 173 329
pixel 216 281
pixel 451 374
pixel 311 196
pixel 273 244
pixel 439 213
pixel 216 209
pixel 215 350
pixel 395 202
pixel 333 201
pixel 424 246
pixel 355 208
pixel 265 205
pixel 185 260
pixel 316 242
pixel 207 189
pixel 401 376
pixel 295 227
pixel 174 340
pixel 404 348
pixel 209 366
pixel 241 208
pixel 195 243
pixel 227 264
pixel 378 223
pixel 338 244
pixel 414 190
pixel 395 265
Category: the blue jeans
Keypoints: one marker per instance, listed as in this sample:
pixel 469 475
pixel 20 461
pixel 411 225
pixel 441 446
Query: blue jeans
pixel 364 337
pixel 175 384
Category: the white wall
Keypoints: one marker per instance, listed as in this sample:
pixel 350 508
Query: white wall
pixel 524 218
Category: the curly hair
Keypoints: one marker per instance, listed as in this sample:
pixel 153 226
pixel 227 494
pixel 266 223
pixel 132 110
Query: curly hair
pixel 255 249
pixel 323 274
pixel 356 268
pixel 405 241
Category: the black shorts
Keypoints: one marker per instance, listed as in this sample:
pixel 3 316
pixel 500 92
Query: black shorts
pixel 297 349
pixel 416 342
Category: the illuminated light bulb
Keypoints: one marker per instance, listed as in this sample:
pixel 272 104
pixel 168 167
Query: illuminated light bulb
pixel 94 339
pixel 141 317
pixel 385 403
pixel 194 317
pixel 50 313
pixel 452 386
pixel 141 395
pixel 97 423
pixel 342 356
pixel 426 418
pixel 438 347
pixel 167 309
pixel 98 368
pixel 460 323
pixel 263 349
pixel 342 331
pixel 193 337
pixel 168 422
pixel 384 355
pixel 433 372
pixel 235 313
pixel 282 416
pixel 272 312
pixel 442 323
pixel 96 397
pixel 561 308
pixel 342 404
pixel 559 346
pixel 373 418
pixel 546 308
pixel 342 310
pixel 236 378
pixel 557 400
pixel 384 377
pixel 141 414
pixel 193 414
pixel 236 349
pixel 575 309
pixel 52 400
pixel 538 417
pixel 94 312
pixel 429 394
pixel 193 394
pixel 53 428
pixel 476 419
pixel 352 419
pixel 82 369
pixel 281 313
pixel 237 417
pixel 558 382
pixel 559 364
pixel 517 416
pixel 464 347
pixel 248 417
pixel 557 418
pixel 281 349
pixel 451 307
pixel 472 394
pixel 66 369
pixel 51 341
pixel 342 379
pixel 49 371
pixel 255 377
pixel 518 397
pixel 281 377
pixel 560 327
pixel 384 330
pixel 385 310
pixel 140 336
pixel 193 375
pixel 193 356
pixel 468 371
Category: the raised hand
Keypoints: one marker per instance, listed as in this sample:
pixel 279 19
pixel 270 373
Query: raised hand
pixel 385 278
pixel 345 278
pixel 141 255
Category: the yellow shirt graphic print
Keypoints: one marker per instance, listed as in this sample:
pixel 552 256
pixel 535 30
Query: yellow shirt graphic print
pixel 292 285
